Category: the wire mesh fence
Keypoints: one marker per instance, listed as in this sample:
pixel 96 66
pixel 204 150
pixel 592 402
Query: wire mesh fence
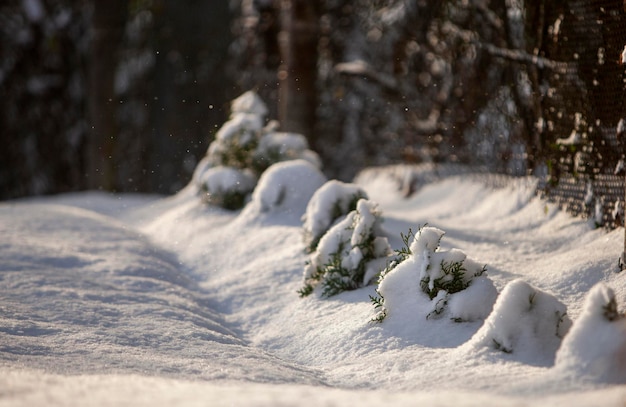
pixel 581 102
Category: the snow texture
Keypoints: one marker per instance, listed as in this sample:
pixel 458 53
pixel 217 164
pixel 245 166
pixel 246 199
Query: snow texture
pixel 329 203
pixel 132 300
pixel 249 103
pixel 524 321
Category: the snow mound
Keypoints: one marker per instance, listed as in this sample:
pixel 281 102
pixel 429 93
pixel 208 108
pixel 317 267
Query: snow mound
pixel 596 345
pixel 526 322
pixel 425 282
pixel 329 203
pixel 285 189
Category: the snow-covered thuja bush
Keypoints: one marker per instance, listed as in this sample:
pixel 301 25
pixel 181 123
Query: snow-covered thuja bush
pixel 524 320
pixel 226 186
pixel 284 189
pixel 243 148
pixel 329 203
pixel 596 344
pixel 424 280
pixel 349 255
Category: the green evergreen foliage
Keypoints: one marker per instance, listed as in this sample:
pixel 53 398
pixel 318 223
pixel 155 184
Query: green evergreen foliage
pixel 244 145
pixel 237 153
pixel 440 306
pixel 229 199
pixel 452 280
pixel 379 304
pixel 338 278
pixel 345 266
pixel 498 346
pixel 405 252
pixel 610 310
pixel 450 277
pixel 338 210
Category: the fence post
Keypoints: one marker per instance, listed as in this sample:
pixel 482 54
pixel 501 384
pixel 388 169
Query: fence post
pixel 620 132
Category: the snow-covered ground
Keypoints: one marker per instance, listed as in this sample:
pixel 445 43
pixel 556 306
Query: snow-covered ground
pixel 138 300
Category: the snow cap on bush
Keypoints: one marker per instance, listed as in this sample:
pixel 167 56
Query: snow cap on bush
pixel 226 187
pixel 285 188
pixel 426 282
pixel 596 344
pixel 248 102
pixel 348 255
pixel 329 203
pixel 236 141
pixel 526 322
pixel 274 147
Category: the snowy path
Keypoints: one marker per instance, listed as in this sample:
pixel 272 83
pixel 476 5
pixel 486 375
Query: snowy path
pixel 83 294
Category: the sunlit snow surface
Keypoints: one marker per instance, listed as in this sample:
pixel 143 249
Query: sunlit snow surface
pixel 108 300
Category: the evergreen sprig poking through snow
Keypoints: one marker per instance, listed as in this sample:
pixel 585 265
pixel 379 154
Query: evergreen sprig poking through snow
pixel 242 150
pixel 349 254
pixel 421 269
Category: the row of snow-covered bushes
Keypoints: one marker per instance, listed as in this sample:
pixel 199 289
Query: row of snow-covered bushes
pixel 422 282
pixel 348 250
pixel 252 165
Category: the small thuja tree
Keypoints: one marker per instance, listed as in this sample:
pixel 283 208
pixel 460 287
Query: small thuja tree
pixel 349 255
pixel 525 321
pixel 328 204
pixel 437 281
pixel 596 343
pixel 226 187
pixel 244 147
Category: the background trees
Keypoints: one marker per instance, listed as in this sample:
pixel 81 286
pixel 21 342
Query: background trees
pixel 126 96
pixel 109 94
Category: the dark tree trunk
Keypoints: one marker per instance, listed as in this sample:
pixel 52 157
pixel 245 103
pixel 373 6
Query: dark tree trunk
pixel 298 72
pixel 107 28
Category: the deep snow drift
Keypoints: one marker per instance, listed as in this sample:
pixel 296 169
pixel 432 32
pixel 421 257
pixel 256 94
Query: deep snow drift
pixel 107 299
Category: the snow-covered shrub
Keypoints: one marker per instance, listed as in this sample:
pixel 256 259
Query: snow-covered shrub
pixel 236 141
pixel 525 320
pixel 245 145
pixel 275 147
pixel 226 186
pixel 285 187
pixel 349 254
pixel 596 344
pixel 423 278
pixel 332 201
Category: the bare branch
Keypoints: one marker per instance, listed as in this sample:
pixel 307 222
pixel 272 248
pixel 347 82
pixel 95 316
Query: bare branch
pixel 523 57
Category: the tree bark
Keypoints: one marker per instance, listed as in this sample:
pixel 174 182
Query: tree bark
pixel 297 75
pixel 107 28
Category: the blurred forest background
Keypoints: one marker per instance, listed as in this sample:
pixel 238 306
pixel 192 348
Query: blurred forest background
pixel 127 95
